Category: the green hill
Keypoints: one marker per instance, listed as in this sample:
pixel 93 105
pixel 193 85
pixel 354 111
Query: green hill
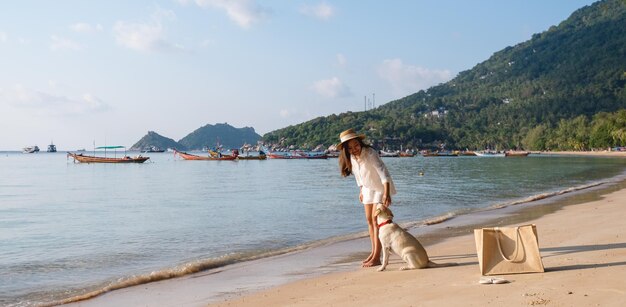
pixel 533 95
pixel 210 136
pixel 155 140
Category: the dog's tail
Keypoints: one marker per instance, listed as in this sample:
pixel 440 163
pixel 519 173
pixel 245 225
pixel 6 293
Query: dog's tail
pixel 440 265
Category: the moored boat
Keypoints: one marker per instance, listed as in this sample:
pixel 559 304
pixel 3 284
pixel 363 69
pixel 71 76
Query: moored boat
pixel 248 156
pixel 444 153
pixel 383 153
pixel 153 148
pixel 96 159
pixel 333 154
pixel 52 148
pixel 297 155
pixel 279 155
pixel 188 156
pixel 312 155
pixel 488 153
pixel 30 149
pixel 511 153
pixel 468 153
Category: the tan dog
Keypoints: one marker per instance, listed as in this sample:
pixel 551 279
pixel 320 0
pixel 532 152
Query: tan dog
pixel 394 238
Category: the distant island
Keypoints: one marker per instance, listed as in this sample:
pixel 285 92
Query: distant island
pixel 208 136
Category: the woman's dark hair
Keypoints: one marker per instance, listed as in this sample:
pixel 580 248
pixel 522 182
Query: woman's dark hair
pixel 345 164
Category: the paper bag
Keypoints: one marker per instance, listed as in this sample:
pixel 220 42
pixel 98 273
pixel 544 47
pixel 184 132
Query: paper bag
pixel 508 250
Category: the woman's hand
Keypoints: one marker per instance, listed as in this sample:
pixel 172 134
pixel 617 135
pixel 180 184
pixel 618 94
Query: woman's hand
pixel 386 195
pixel 361 195
pixel 386 199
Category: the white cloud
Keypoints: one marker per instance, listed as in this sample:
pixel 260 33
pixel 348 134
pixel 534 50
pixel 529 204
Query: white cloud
pixel 161 14
pixel 407 79
pixel 321 11
pixel 244 13
pixel 284 113
pixel 82 27
pixel 146 36
pixel 332 88
pixel 24 98
pixel 61 43
pixel 3 37
pixel 94 103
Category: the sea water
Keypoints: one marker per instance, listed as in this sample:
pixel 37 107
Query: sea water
pixel 67 228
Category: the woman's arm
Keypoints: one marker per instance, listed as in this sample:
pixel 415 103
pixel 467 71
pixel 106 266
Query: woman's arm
pixel 386 195
pixel 381 169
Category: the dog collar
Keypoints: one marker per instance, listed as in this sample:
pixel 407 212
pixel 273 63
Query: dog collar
pixel 385 223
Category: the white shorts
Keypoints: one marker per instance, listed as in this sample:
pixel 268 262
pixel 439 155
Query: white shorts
pixel 371 196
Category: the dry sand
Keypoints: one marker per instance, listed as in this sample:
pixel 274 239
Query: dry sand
pixel 583 248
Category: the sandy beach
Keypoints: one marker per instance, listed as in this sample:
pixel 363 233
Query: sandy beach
pixel 581 239
pixel 583 248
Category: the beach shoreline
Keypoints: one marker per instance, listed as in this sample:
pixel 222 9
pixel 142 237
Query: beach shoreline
pixel 248 282
pixel 581 241
pixel 599 153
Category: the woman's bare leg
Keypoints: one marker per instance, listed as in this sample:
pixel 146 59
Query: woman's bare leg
pixel 374 257
pixel 368 212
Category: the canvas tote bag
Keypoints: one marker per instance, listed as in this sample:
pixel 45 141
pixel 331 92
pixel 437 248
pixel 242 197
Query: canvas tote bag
pixel 508 250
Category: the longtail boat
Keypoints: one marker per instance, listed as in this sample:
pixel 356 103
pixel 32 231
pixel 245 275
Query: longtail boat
pixel 247 156
pixel 95 159
pixel 440 154
pixel 188 156
pixel 297 155
pixel 489 153
pixel 511 153
pixel 382 153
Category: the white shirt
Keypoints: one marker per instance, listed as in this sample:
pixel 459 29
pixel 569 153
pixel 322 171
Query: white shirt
pixel 370 171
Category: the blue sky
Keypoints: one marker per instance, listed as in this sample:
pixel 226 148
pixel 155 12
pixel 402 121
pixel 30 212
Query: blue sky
pixel 75 72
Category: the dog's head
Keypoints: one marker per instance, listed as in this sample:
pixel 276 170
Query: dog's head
pixel 382 212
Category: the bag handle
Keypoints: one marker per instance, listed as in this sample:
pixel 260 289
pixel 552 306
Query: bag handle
pixel 517 243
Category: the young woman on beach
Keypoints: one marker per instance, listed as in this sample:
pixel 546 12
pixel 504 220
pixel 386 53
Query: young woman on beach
pixel 373 179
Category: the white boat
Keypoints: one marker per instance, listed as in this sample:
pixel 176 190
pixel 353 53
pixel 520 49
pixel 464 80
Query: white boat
pixel 383 153
pixel 487 153
pixel 52 148
pixel 30 149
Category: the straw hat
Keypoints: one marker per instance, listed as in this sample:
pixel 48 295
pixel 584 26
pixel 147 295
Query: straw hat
pixel 348 135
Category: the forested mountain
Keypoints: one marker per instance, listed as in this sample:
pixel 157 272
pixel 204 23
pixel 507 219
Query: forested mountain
pixel 562 89
pixel 155 140
pixel 210 136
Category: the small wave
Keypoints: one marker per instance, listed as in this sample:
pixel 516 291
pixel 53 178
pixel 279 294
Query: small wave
pixel 452 214
pixel 547 195
pixel 198 266
pixel 439 219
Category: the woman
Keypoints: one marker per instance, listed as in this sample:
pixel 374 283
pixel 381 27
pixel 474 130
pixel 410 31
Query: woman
pixel 373 179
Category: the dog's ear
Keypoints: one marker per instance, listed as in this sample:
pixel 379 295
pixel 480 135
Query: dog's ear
pixel 377 212
pixel 389 212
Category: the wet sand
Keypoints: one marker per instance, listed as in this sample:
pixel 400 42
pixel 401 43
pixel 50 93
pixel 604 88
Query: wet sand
pixel 582 237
